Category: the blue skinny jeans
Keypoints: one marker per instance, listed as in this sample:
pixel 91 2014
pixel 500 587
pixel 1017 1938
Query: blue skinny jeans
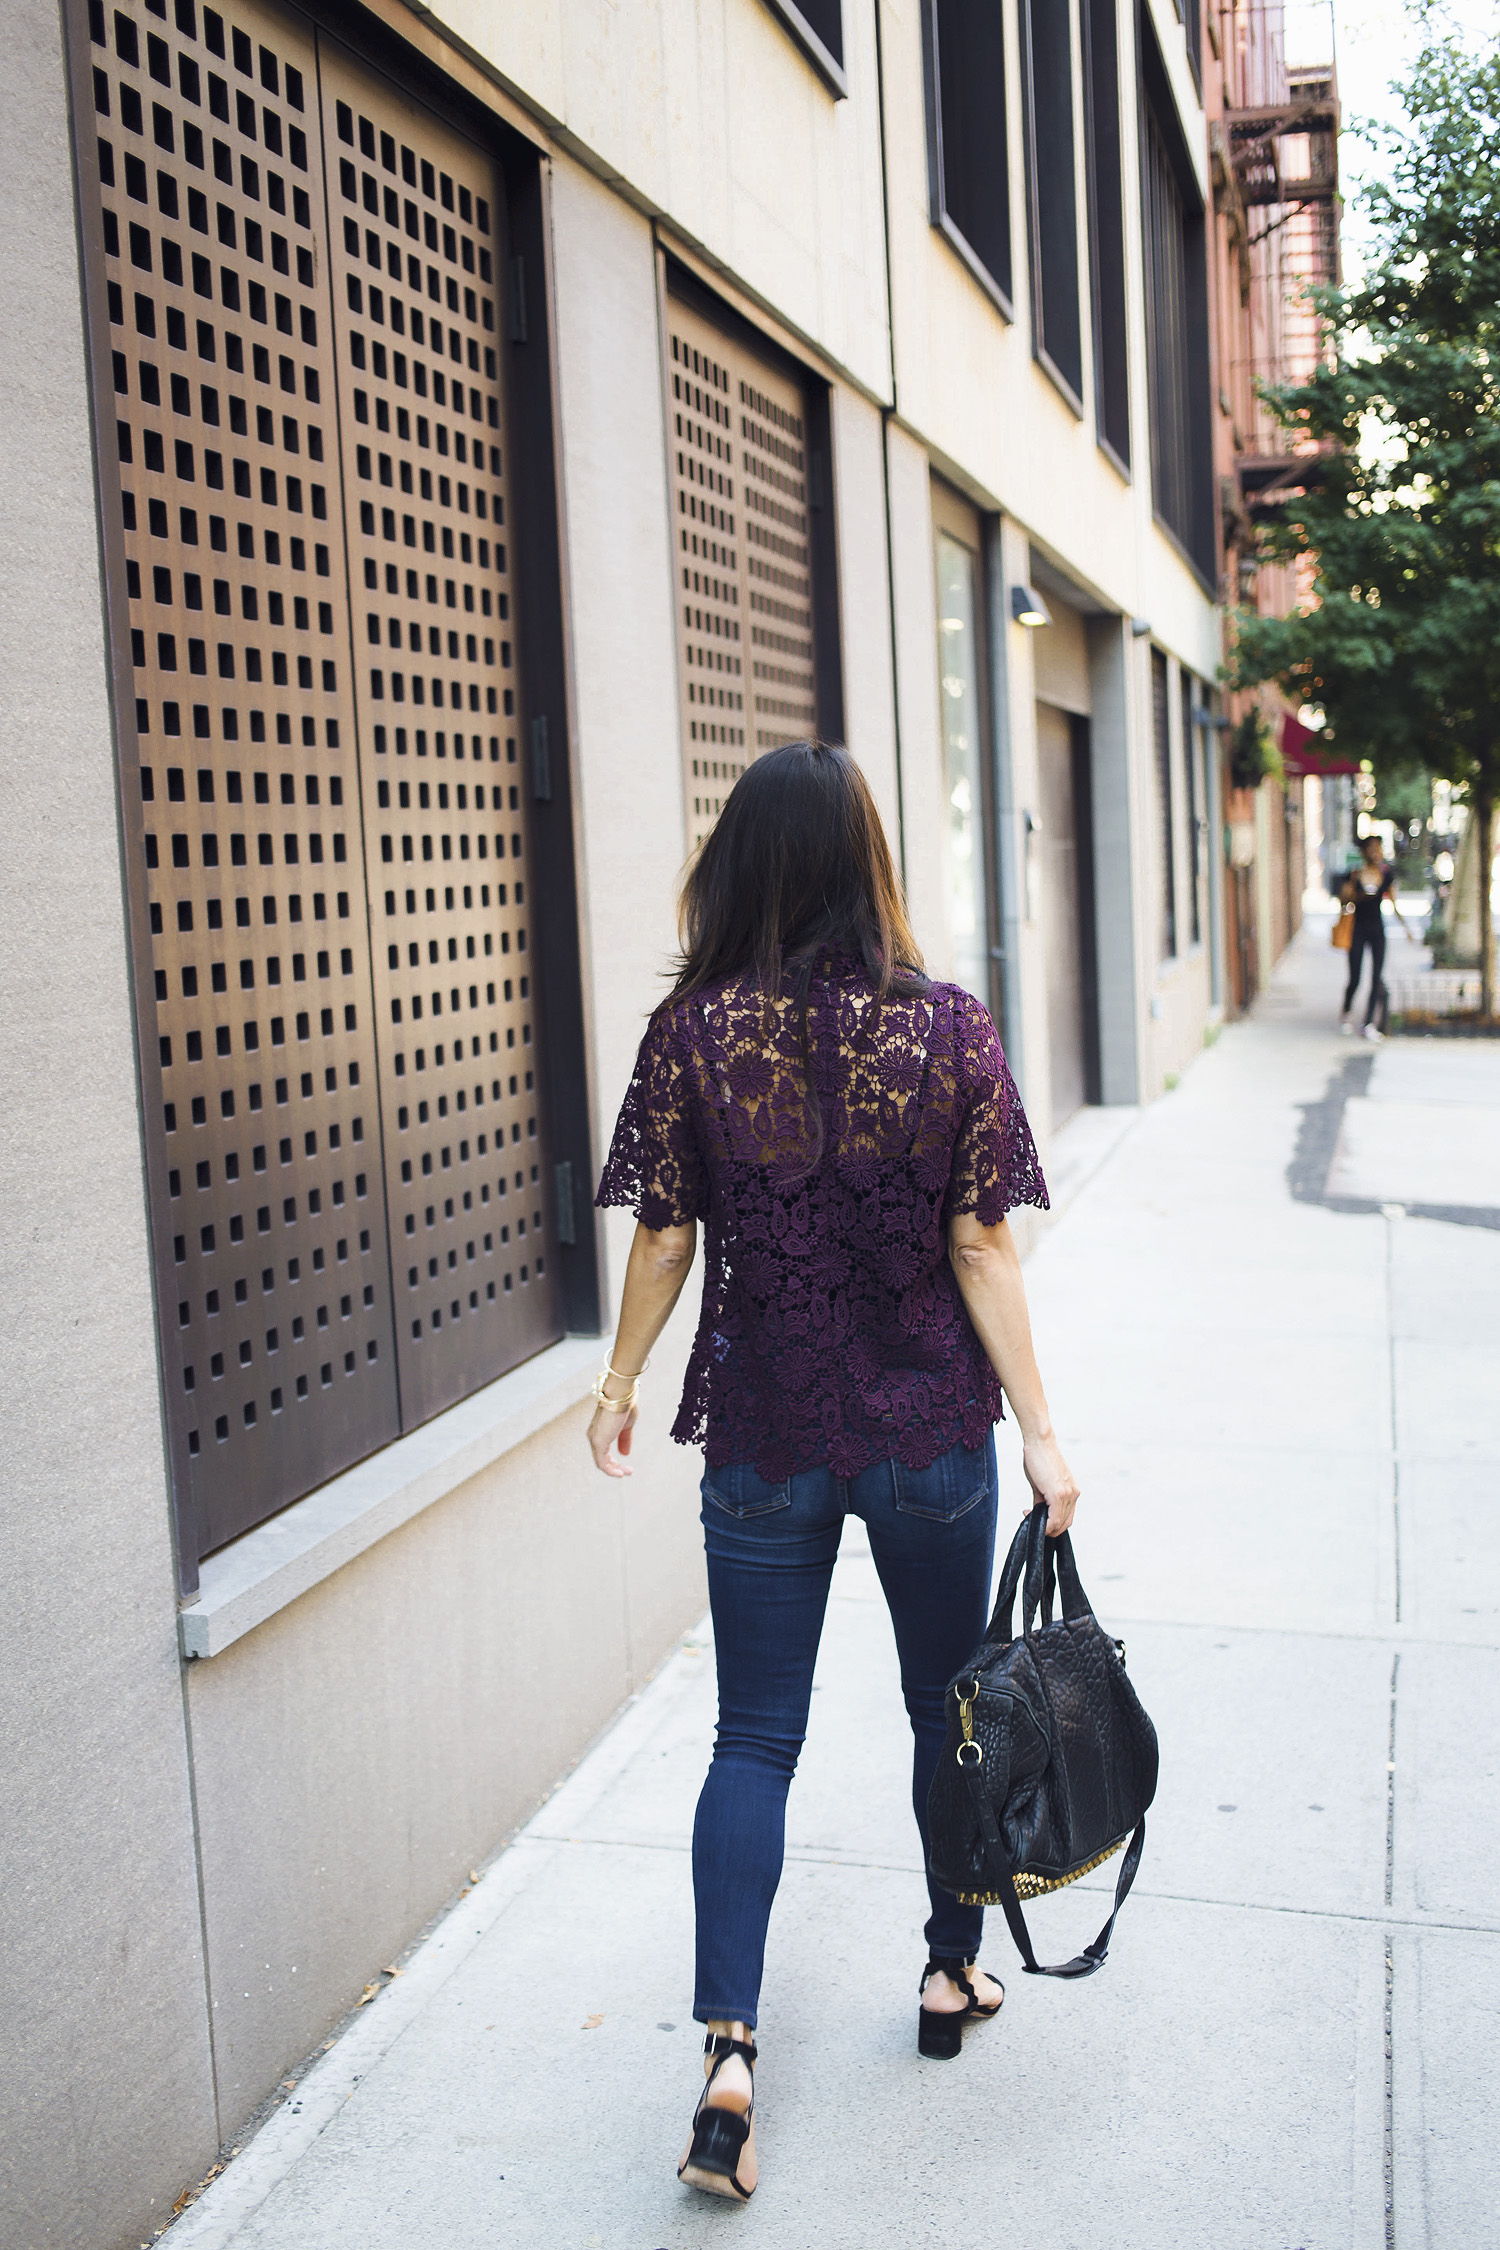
pixel 771 1550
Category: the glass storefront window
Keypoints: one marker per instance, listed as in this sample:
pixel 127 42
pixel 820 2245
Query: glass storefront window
pixel 963 830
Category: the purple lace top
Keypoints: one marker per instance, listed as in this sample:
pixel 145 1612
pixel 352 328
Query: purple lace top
pixel 832 1328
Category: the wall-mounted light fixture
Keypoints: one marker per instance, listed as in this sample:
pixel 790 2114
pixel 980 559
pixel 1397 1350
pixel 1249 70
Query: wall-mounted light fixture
pixel 1140 627
pixel 1027 606
pixel 1032 829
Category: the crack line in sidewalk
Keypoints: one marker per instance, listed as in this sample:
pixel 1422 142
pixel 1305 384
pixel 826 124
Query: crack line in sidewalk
pixel 1390 1787
pixel 1390 2103
pixel 1377 1634
pixel 828 1856
pixel 1390 1886
pixel 1392 1212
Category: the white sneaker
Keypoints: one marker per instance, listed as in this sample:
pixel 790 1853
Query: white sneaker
pixel 1376 1038
pixel 1346 1028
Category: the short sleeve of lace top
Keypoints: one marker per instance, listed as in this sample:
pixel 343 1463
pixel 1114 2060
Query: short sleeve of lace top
pixel 995 1163
pixel 655 1165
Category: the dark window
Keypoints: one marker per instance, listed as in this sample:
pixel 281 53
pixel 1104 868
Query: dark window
pixel 1192 23
pixel 1101 84
pixel 1161 724
pixel 967 147
pixel 818 28
pixel 967 785
pixel 1176 321
pixel 1052 205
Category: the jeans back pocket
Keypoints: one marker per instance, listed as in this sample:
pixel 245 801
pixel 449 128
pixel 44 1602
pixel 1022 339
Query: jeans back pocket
pixel 740 1492
pixel 947 1488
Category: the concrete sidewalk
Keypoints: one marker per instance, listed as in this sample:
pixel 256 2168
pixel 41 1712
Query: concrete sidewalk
pixel 1286 1421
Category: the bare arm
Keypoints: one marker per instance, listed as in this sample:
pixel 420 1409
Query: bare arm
pixel 988 1270
pixel 657 1268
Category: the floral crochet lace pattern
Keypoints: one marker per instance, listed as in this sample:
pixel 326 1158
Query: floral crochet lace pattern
pixel 832 1328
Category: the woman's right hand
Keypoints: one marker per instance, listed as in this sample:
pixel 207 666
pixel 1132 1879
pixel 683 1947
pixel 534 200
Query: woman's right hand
pixel 1051 1480
pixel 609 1437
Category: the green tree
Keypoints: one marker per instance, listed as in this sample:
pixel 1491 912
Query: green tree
pixel 1400 523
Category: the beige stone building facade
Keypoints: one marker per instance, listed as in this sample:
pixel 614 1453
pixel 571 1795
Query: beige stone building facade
pixel 443 448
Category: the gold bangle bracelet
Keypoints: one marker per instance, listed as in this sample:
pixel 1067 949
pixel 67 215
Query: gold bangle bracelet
pixel 615 1405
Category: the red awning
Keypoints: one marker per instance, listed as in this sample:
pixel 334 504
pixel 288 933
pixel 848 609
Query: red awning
pixel 1303 752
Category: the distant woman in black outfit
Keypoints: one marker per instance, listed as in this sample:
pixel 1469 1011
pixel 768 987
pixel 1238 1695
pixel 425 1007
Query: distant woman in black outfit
pixel 1368 886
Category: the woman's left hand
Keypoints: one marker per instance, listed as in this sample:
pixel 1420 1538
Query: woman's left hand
pixel 606 1430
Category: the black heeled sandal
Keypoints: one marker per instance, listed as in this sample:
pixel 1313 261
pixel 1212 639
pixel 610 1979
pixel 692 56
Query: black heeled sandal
pixel 719 2135
pixel 940 2034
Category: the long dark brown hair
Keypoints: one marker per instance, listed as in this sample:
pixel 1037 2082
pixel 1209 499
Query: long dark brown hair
pixel 797 865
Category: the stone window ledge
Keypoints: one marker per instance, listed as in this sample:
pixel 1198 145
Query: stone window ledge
pixel 271 1566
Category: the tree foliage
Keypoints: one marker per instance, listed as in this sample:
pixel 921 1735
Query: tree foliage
pixel 1253 755
pixel 1400 523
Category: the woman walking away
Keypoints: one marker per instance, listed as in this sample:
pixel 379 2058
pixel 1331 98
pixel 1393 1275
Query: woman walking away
pixel 1368 886
pixel 849 1135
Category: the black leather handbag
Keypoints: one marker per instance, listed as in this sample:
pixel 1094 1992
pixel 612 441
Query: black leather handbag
pixel 1049 1762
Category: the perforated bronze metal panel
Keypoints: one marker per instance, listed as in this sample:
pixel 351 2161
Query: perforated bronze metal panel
pixel 278 1346
pixel 415 242
pixel 284 404
pixel 737 426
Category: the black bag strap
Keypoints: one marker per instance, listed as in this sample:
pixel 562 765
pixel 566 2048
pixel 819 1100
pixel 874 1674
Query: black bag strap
pixel 1044 1563
pixel 1093 1956
pixel 1075 1602
pixel 1060 1565
pixel 1049 1578
pixel 999 1630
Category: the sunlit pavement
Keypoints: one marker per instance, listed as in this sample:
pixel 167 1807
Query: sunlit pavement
pixel 1285 1414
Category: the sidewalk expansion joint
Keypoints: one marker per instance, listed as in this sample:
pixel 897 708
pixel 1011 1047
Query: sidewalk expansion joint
pixel 1379 1636
pixel 1390 1786
pixel 830 1856
pixel 1388 2154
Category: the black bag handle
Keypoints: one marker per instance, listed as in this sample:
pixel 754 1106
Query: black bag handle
pixel 1044 1563
pixel 1037 1560
pixel 999 1629
pixel 1093 1956
pixel 1061 1562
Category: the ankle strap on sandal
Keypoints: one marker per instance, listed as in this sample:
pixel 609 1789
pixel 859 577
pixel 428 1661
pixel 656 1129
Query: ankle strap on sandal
pixel 720 2045
pixel 954 1967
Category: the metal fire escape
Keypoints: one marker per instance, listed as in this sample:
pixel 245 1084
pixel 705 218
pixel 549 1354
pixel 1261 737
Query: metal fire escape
pixel 1275 173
